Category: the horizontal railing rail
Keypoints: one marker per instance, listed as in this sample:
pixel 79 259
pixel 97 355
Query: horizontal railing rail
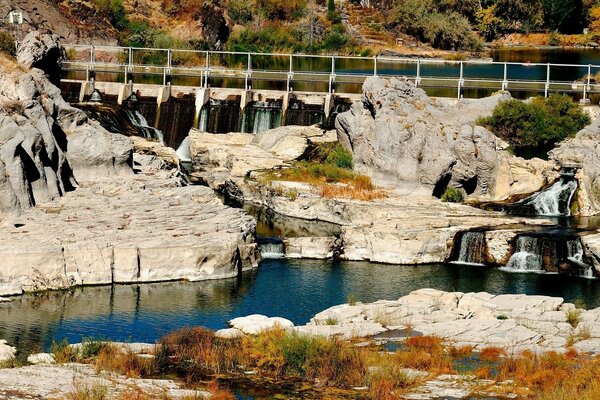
pixel 332 69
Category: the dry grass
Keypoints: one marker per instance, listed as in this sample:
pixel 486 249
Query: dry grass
pixel 87 391
pixel 492 353
pixel 123 361
pixel 328 180
pixel 217 393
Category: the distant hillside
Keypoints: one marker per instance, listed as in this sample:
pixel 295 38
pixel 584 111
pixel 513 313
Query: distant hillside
pixel 317 26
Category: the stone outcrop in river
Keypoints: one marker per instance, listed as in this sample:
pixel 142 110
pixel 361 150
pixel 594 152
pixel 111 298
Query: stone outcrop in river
pixel 583 152
pixel 94 220
pixel 403 138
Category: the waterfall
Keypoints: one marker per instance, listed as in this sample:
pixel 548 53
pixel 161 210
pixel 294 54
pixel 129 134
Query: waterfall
pixel 527 257
pixel 183 151
pixel 147 131
pixel 555 200
pixel 271 248
pixel 472 248
pixel 220 116
pixel 303 114
pixel 575 257
pixel 261 116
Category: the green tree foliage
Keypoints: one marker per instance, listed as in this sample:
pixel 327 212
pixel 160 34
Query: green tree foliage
pixel 537 123
pixel 565 16
pixel 282 10
pixel 114 10
pixel 240 11
pixel 435 21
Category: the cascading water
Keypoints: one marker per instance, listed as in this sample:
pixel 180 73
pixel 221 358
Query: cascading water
pixel 271 248
pixel 472 249
pixel 554 201
pixel 261 116
pixel 300 113
pixel 147 131
pixel 527 257
pixel 575 257
pixel 220 116
pixel 549 252
pixel 183 151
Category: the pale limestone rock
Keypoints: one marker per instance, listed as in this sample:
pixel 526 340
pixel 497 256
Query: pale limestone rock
pixel 40 358
pixel 229 333
pixel 6 352
pixel 345 331
pixel 256 323
pixel 125 233
pixel 309 247
pixel 57 381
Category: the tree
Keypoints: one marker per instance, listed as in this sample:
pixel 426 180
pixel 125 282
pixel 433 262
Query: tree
pixel 565 16
pixel 520 15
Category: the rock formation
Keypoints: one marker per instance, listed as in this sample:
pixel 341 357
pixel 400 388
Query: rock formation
pixel 583 153
pixel 43 139
pixel 402 138
pixel 42 51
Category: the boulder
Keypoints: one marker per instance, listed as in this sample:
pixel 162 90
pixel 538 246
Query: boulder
pixel 43 51
pixel 402 138
pixel 7 352
pixel 41 358
pixel 583 153
pixel 256 323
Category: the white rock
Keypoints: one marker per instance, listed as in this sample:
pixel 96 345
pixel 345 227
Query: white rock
pixel 6 352
pixel 40 358
pixel 256 323
pixel 229 333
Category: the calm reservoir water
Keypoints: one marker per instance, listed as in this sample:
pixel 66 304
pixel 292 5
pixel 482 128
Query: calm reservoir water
pixel 295 289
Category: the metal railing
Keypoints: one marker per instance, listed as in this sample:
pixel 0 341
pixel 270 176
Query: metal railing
pixel 214 68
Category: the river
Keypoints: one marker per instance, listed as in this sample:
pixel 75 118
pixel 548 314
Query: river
pixel 293 289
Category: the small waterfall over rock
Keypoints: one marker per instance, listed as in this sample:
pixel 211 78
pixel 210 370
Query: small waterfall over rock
pixel 554 201
pixel 271 247
pixel 262 115
pixel 549 252
pixel 175 119
pixel 147 131
pixel 527 257
pixel 472 249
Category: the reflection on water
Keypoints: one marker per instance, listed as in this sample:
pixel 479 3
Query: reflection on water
pixel 294 289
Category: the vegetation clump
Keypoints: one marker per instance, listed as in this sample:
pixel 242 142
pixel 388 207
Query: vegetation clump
pixel 540 122
pixel 329 170
pixel 452 195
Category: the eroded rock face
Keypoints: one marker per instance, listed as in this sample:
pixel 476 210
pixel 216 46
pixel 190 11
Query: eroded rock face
pixel 42 51
pixel 583 152
pixel 401 137
pixel 127 230
pixel 45 144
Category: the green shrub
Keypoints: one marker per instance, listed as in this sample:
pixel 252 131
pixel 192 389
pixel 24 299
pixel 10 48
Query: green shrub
pixel 240 11
pixel 537 123
pixel 7 43
pixel 340 157
pixel 114 10
pixel 91 347
pixel 283 10
pixel 452 195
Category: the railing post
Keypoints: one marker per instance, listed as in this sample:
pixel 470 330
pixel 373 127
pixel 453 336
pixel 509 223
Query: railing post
pixel 207 69
pixel 130 58
pixel 375 66
pixel 586 85
pixel 418 78
pixel 461 81
pixel 92 55
pixel 505 78
pixel 332 65
pixel 169 58
pixel 291 63
pixel 547 87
